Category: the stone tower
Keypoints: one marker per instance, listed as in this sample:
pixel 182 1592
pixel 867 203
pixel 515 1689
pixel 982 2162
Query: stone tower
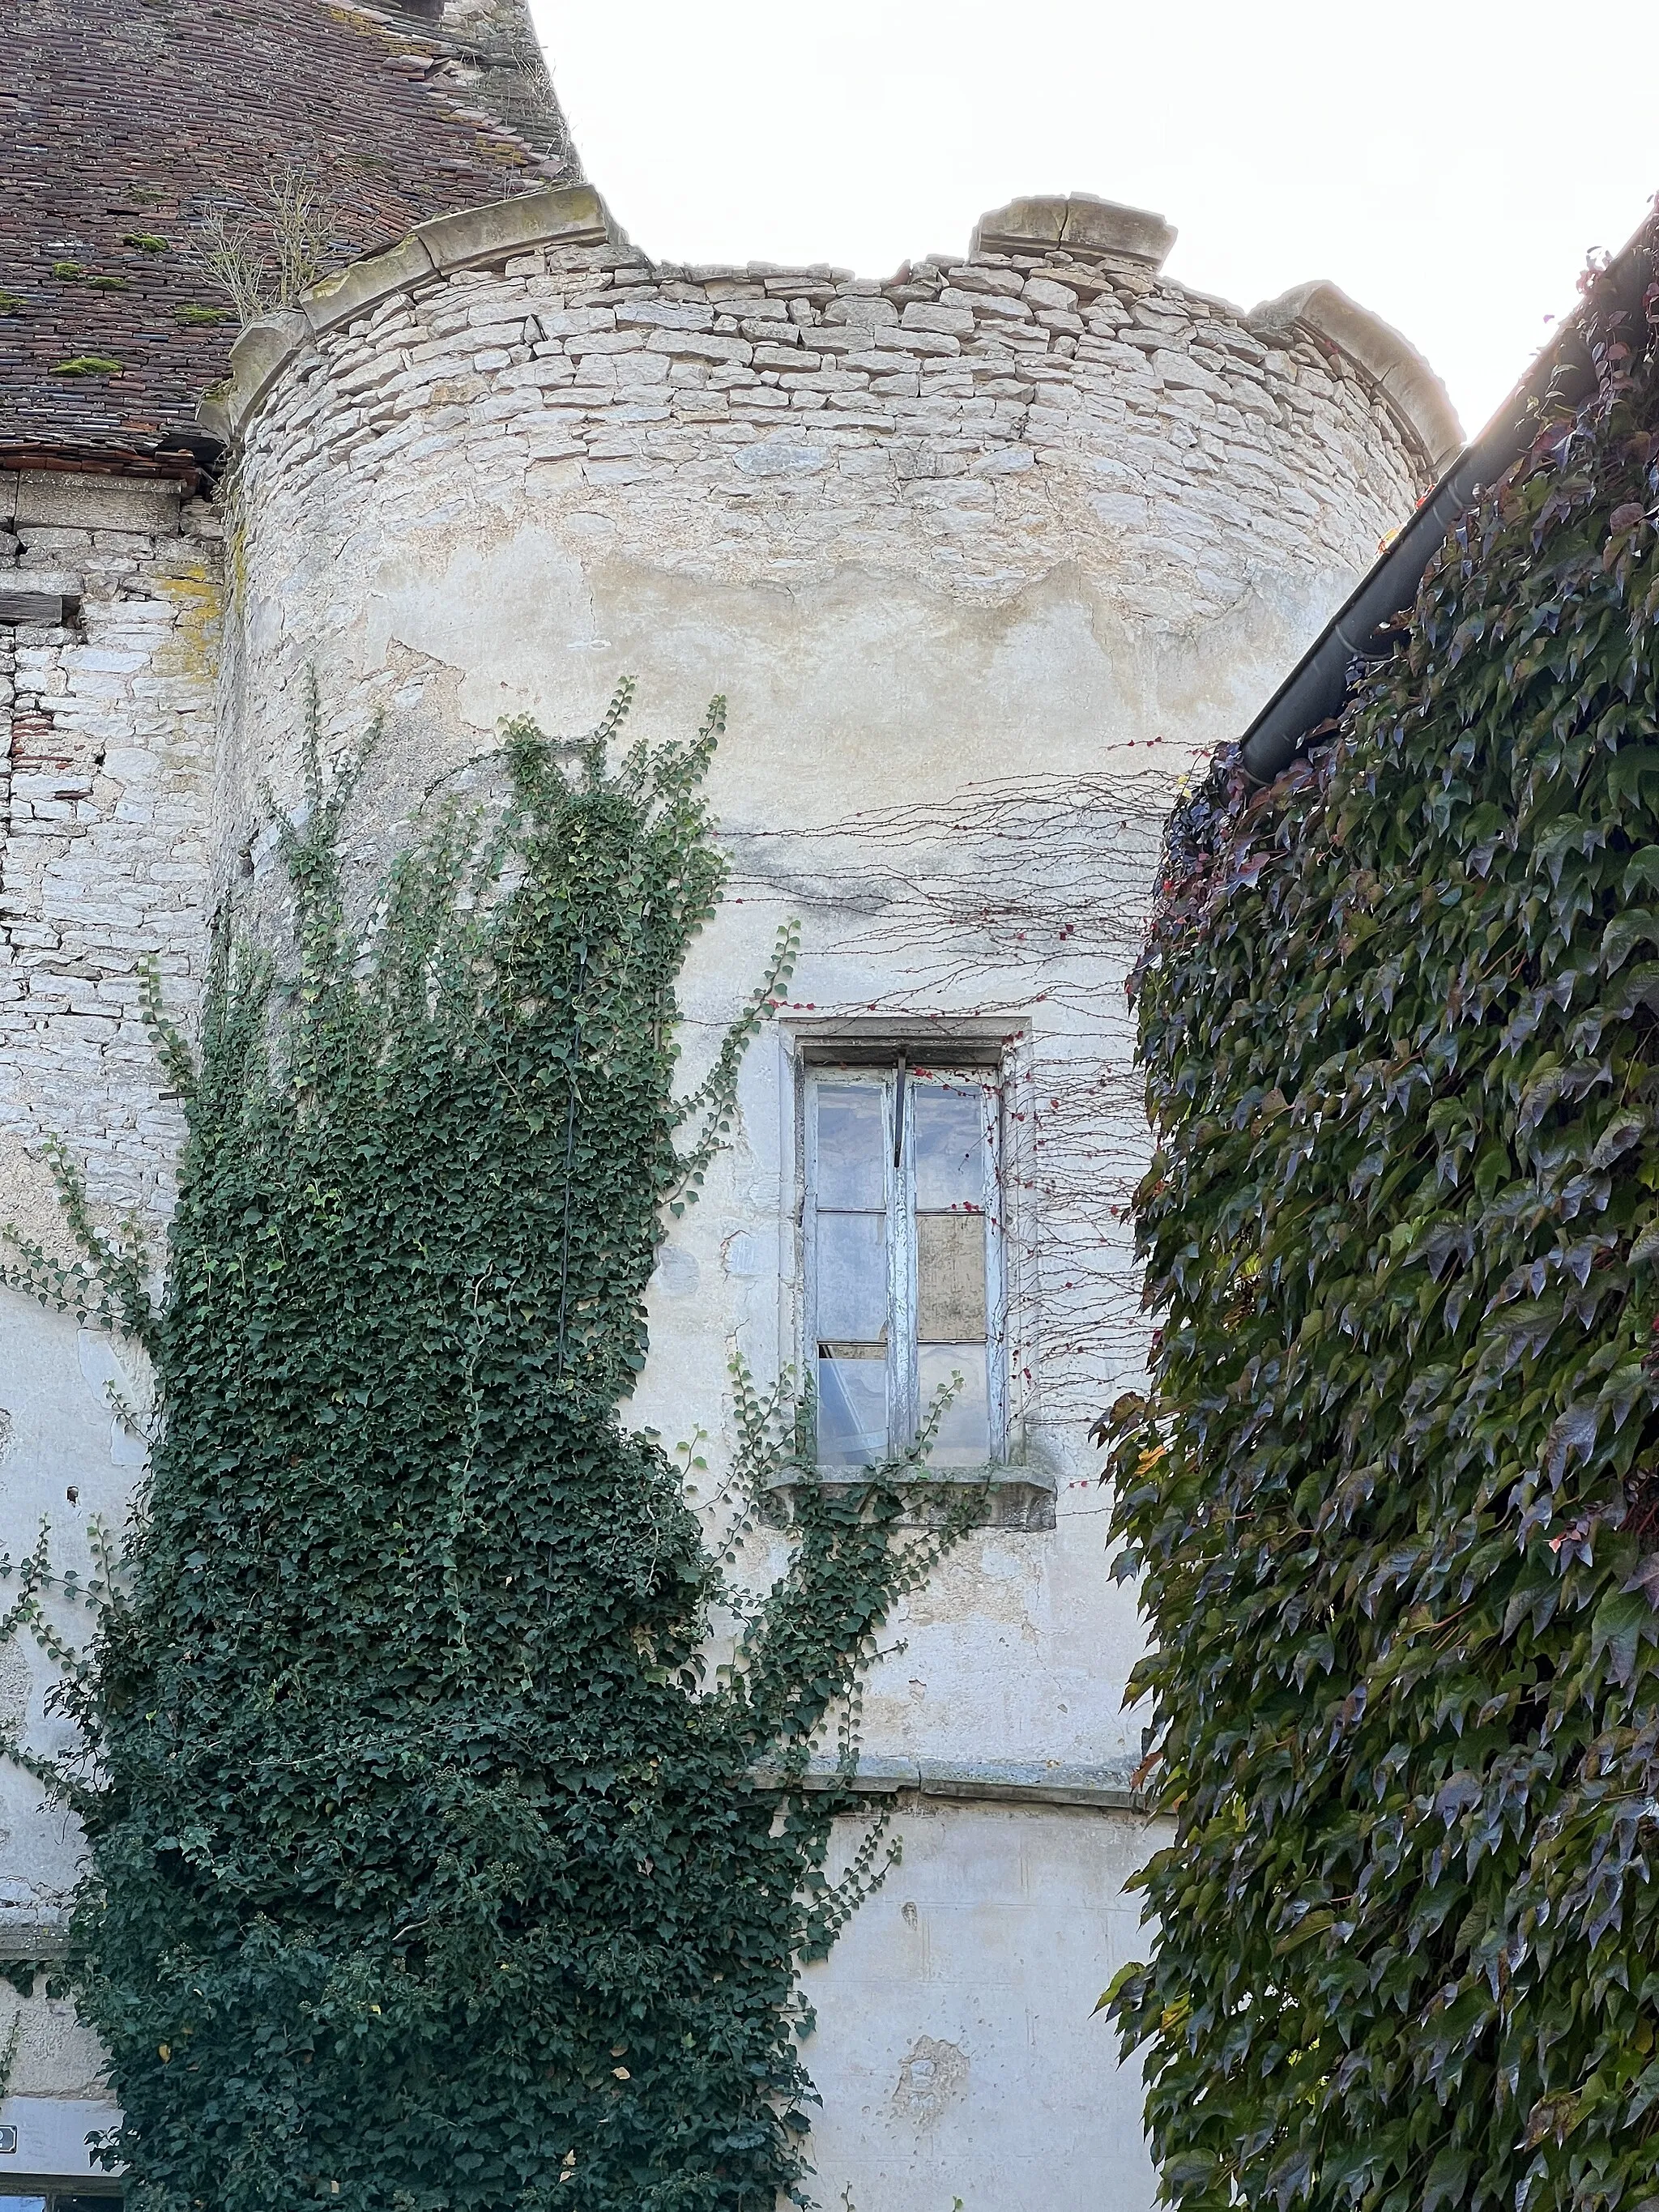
pixel 983 555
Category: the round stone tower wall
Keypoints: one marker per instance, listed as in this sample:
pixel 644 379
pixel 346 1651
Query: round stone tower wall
pixel 1004 512
pixel 982 558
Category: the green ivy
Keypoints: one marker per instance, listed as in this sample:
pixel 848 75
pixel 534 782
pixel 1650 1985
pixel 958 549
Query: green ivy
pixel 1395 1491
pixel 431 1867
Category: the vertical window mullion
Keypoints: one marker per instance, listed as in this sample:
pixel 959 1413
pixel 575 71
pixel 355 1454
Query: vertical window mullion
pixel 902 1276
pixel 848 1303
pixel 809 1237
pixel 996 1276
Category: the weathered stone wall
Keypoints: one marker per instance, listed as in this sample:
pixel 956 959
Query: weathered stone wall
pixel 977 424
pixel 103 798
pixel 107 688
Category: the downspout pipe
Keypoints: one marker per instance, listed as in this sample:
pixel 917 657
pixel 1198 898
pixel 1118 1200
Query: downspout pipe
pixel 1564 376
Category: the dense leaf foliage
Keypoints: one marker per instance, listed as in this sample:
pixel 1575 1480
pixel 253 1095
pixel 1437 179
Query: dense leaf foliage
pixel 430 1869
pixel 1395 1488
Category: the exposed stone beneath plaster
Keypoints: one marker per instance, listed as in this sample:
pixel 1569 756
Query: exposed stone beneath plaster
pixel 109 713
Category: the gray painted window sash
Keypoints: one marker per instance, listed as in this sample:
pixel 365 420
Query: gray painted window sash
pixel 825 1240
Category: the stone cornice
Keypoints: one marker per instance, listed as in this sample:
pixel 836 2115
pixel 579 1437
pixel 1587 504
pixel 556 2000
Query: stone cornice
pixel 1035 1782
pixel 474 238
pixel 1400 373
pixel 1087 228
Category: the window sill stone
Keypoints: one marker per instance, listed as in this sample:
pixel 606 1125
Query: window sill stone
pixel 1034 1781
pixel 1014 1497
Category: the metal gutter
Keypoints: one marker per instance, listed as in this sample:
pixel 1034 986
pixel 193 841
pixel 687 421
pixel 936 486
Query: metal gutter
pixel 1564 376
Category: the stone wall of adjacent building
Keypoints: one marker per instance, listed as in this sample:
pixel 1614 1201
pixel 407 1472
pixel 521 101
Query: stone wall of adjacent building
pixel 109 617
pixel 108 698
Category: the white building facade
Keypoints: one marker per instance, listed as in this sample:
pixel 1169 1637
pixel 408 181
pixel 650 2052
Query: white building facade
pixel 983 558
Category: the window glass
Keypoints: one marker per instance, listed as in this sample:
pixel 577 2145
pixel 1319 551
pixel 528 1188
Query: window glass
pixel 904 1265
pixel 963 1437
pixel 852 1142
pixel 950 1145
pixel 853 1277
pixel 852 1420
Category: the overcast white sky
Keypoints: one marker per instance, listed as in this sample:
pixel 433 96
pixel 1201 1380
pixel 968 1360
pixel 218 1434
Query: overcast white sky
pixel 1448 162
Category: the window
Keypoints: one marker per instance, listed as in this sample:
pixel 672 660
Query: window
pixel 905 1295
pixel 48 2199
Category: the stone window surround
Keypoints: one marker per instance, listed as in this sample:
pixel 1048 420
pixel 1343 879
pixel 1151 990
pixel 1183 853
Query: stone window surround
pixel 897 1076
pixel 1020 1490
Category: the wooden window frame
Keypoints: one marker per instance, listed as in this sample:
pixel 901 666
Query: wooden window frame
pixel 894 1073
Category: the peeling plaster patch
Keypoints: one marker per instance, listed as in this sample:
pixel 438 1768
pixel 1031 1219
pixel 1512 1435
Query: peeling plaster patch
pixel 988 1579
pixel 113 1388
pixel 15 1680
pixel 738 1255
pixel 678 1273
pixel 930 2077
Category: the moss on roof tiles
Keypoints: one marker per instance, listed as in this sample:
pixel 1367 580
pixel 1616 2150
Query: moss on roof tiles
pixel 129 127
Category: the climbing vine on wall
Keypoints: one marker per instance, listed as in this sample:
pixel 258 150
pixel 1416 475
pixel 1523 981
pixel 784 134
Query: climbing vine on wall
pixel 430 1866
pixel 1395 1490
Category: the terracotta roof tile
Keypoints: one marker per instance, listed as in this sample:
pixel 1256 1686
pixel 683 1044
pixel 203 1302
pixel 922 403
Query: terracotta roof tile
pixel 130 123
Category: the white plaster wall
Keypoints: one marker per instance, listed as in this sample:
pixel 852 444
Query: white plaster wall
pixel 957 2053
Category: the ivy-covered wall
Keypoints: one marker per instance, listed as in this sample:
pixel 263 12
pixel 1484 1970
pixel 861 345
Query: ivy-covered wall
pixel 430 1865
pixel 1394 1487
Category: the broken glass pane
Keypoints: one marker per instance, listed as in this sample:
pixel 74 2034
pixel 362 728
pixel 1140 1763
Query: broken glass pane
pixel 949 1129
pixel 852 1146
pixel 963 1438
pixel 852 1411
pixel 852 1254
pixel 950 1278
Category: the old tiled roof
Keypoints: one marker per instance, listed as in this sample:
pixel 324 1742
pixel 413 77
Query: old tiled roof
pixel 124 124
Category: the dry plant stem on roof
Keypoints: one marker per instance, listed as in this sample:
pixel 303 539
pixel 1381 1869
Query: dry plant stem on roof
pixel 1394 1488
pixel 429 1867
pixel 262 258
